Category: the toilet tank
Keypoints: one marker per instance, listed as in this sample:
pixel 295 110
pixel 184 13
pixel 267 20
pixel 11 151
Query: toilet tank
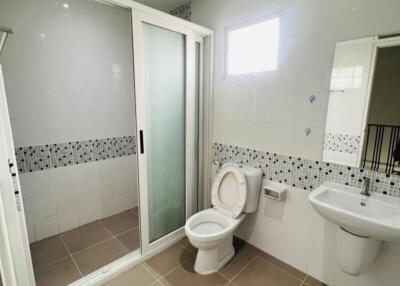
pixel 253 181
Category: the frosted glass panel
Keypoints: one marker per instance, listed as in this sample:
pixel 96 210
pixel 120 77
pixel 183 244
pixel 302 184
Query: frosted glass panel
pixel 164 67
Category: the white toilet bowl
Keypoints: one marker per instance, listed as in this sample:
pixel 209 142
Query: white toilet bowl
pixel 212 233
pixel 211 230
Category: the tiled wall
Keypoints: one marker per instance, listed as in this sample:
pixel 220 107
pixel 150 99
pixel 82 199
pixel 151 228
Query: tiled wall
pixel 68 79
pixel 272 113
pixel 38 158
pixel 343 143
pixel 59 91
pixel 60 199
pixel 183 11
pixel 305 174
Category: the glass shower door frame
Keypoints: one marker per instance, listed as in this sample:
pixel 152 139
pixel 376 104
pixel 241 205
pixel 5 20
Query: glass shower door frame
pixel 138 19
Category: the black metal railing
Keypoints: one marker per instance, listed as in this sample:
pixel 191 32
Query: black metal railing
pixel 381 142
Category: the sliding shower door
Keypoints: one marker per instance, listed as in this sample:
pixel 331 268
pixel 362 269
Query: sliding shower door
pixel 165 73
pixel 164 92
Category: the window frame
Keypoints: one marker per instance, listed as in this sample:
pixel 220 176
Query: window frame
pixel 245 24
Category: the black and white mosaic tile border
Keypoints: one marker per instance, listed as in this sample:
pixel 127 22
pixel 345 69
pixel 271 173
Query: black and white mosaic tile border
pixel 37 158
pixel 184 11
pixel 343 143
pixel 305 174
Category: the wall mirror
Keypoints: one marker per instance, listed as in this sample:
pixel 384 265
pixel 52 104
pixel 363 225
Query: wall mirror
pixel 363 121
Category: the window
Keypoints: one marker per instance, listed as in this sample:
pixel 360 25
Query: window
pixel 253 48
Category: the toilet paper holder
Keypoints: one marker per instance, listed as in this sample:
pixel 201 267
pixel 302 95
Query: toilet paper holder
pixel 275 190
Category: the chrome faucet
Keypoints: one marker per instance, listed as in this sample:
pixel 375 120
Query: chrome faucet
pixel 366 187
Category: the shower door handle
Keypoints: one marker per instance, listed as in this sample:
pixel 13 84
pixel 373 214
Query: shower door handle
pixel 141 142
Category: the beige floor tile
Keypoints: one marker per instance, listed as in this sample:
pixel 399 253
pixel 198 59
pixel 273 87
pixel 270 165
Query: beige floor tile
pixel 170 258
pixel 137 275
pixel 99 255
pixel 185 276
pixel 61 273
pixel 85 236
pixel 310 281
pixel 121 222
pixel 293 271
pixel 130 239
pixel 244 254
pixel 47 251
pixel 262 273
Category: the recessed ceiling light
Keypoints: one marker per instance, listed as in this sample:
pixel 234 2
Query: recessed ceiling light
pixel 66 5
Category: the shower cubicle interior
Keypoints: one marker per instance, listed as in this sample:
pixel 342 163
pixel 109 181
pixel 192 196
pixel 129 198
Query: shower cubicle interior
pixel 84 132
pixel 69 80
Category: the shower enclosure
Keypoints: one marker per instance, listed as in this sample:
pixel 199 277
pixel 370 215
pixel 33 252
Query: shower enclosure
pixel 165 159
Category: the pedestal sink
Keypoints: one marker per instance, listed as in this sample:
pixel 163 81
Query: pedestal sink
pixel 364 222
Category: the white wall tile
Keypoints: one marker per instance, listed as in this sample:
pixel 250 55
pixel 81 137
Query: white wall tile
pixel 30 227
pixel 68 220
pixel 43 206
pixel 88 213
pixel 308 146
pixel 59 91
pixel 78 194
pixel 46 227
pixel 311 114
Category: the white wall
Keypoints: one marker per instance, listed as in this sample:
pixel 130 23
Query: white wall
pixel 68 72
pixel 69 77
pixel 271 113
pixel 57 200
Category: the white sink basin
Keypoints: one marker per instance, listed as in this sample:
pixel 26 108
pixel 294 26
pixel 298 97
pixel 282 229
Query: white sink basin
pixel 376 217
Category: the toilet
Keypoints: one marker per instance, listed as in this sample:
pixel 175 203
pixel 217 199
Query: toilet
pixel 235 192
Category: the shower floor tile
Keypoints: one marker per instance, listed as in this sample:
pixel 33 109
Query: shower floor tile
pixel 97 256
pixel 47 252
pixel 130 239
pixel 58 274
pixel 121 222
pixel 85 236
pixel 64 258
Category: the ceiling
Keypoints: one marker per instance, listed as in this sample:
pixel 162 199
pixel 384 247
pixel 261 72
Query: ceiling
pixel 164 5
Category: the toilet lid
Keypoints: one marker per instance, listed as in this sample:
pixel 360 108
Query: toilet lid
pixel 229 191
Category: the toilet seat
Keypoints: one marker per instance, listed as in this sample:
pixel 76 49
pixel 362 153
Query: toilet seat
pixel 211 225
pixel 229 191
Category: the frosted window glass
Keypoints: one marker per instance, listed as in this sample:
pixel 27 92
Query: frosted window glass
pixel 164 68
pixel 254 48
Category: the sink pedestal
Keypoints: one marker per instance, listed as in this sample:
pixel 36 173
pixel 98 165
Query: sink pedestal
pixel 355 252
